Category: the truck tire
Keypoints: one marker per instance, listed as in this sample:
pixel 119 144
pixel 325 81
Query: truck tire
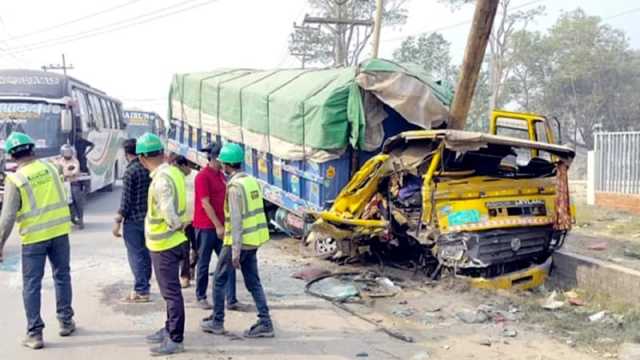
pixel 323 247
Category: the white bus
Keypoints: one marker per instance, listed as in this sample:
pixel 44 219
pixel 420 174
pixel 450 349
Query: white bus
pixel 55 110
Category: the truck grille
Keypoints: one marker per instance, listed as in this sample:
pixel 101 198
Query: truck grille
pixel 501 246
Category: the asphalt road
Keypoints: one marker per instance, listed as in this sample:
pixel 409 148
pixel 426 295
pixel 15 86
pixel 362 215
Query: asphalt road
pixel 306 328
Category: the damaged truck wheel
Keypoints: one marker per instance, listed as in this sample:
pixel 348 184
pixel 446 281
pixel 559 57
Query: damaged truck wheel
pixel 323 246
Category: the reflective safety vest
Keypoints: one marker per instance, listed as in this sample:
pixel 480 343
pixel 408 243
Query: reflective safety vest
pixel 158 234
pixel 255 230
pixel 44 213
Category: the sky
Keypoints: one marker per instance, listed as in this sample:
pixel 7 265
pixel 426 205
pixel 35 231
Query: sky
pixel 131 48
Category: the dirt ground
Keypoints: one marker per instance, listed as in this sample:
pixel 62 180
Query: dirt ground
pixel 444 316
pixel 446 320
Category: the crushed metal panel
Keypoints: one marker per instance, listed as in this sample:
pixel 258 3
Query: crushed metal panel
pixel 459 140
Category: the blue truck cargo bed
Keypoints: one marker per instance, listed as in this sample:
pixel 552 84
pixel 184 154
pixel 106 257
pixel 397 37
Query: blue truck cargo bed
pixel 297 186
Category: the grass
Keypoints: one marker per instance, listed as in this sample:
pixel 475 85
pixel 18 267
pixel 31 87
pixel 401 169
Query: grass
pixel 571 323
pixel 593 220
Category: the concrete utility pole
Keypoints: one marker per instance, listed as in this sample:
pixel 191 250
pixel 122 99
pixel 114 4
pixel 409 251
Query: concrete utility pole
pixel 62 67
pixel 377 28
pixel 306 32
pixel 481 27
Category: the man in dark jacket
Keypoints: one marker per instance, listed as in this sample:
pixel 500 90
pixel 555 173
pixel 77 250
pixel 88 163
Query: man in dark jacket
pixel 133 209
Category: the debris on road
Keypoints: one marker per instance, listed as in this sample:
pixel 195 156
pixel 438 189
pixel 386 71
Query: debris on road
pixel 599 316
pixel 338 301
pixel 576 302
pixel 310 273
pixel 606 341
pixel 573 298
pixel 598 246
pixel 510 333
pixel 403 312
pixel 486 342
pixel 632 253
pixel 362 355
pixel 551 303
pixel 421 356
pixel 473 317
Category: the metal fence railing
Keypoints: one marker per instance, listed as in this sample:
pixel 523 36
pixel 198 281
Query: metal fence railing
pixel 617 162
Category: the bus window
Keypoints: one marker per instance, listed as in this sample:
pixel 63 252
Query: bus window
pixel 98 116
pixel 119 115
pixel 84 111
pixel 116 116
pixel 108 115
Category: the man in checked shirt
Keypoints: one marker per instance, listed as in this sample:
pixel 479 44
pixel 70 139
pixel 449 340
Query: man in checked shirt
pixel 133 209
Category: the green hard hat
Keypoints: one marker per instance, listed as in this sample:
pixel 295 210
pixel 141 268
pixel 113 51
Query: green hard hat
pixel 17 140
pixel 148 143
pixel 231 154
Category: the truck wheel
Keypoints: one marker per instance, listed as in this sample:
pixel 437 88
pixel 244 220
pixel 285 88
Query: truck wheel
pixel 324 247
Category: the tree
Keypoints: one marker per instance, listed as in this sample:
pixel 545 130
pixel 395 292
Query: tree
pixel 501 64
pixel 589 69
pixel 581 71
pixel 345 42
pixel 529 68
pixel 432 52
pixel 509 20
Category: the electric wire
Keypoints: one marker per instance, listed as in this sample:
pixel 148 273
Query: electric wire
pixel 112 27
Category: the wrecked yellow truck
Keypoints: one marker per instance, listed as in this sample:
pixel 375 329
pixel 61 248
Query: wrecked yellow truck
pixel 470 203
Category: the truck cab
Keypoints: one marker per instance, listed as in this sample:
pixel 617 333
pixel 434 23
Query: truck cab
pixel 521 125
pixel 479 204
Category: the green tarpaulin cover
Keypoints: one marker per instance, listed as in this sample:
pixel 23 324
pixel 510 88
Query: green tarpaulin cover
pixel 303 112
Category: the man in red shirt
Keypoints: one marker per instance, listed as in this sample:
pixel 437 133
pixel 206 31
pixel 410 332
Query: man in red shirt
pixel 208 222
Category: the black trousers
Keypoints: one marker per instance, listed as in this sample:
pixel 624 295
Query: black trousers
pixel 187 266
pixel 166 265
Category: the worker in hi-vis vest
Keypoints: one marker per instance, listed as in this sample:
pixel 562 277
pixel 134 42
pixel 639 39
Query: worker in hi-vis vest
pixel 36 200
pixel 165 239
pixel 245 230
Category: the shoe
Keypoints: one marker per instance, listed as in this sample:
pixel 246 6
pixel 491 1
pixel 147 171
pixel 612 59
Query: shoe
pixel 157 337
pixel 185 282
pixel 238 306
pixel 209 326
pixel 168 347
pixel 67 328
pixel 136 298
pixel 34 342
pixel 260 330
pixel 204 304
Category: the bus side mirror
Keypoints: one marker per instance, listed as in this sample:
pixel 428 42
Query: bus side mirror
pixel 66 121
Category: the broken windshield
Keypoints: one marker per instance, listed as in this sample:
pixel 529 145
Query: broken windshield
pixel 496 160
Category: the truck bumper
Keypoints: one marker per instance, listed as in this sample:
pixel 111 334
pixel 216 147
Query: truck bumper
pixel 529 278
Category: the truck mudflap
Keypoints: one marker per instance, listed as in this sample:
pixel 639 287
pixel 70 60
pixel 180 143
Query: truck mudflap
pixel 529 278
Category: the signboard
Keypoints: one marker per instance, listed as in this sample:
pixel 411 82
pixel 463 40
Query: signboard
pixel 32 83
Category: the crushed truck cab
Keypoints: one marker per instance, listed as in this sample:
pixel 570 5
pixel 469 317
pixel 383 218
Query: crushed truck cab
pixel 478 204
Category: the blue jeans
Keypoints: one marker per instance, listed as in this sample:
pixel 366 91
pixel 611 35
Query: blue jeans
pixel 138 256
pixel 34 257
pixel 206 243
pixel 249 268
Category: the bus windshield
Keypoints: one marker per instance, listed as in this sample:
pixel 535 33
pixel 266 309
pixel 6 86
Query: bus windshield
pixel 39 120
pixel 135 131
